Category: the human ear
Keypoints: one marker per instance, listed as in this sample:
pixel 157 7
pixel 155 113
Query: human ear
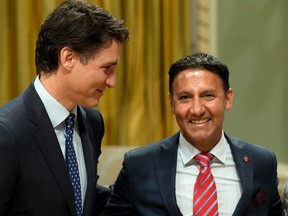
pixel 66 57
pixel 171 103
pixel 229 99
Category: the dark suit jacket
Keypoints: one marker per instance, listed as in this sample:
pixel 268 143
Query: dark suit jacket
pixel 33 175
pixel 146 183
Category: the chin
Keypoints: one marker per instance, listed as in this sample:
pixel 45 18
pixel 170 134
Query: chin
pixel 200 138
pixel 95 104
pixel 91 104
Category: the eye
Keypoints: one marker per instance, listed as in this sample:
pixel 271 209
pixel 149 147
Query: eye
pixel 184 97
pixel 209 96
pixel 108 69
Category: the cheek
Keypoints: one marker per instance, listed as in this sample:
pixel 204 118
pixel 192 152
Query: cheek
pixel 89 79
pixel 172 106
pixel 218 113
pixel 180 110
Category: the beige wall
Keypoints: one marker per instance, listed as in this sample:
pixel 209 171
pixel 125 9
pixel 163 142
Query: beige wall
pixel 252 41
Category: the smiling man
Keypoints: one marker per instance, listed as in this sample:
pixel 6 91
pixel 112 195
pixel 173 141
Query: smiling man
pixel 51 134
pixel 200 170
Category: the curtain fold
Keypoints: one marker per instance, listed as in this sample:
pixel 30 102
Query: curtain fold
pixel 137 111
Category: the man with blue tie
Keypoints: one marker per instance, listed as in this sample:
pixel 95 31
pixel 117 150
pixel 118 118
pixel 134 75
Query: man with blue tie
pixel 201 170
pixel 51 134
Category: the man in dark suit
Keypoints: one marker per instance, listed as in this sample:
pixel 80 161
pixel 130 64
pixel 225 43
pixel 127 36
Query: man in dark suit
pixel 77 52
pixel 164 178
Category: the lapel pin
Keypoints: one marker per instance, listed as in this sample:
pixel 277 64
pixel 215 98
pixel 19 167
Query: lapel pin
pixel 246 159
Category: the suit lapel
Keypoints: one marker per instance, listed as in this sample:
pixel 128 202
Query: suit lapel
pixel 244 166
pixel 48 144
pixel 165 167
pixel 88 157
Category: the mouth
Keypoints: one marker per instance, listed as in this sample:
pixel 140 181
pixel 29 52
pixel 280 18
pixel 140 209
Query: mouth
pixel 198 121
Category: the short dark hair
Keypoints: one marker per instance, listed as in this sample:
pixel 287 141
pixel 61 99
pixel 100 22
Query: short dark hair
pixel 83 27
pixel 201 61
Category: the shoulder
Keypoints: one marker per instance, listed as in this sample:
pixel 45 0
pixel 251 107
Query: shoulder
pixel 13 115
pixel 12 107
pixel 165 145
pixel 23 108
pixel 92 115
pixel 93 119
pixel 13 120
pixel 256 150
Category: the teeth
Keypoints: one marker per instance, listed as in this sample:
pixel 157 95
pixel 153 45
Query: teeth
pixel 199 121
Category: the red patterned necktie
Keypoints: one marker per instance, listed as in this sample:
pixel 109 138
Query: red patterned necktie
pixel 205 194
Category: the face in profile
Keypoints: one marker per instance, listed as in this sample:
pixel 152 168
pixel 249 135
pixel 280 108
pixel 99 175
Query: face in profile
pixel 198 102
pixel 87 81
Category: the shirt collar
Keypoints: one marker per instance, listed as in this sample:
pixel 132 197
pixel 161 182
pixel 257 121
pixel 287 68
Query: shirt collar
pixel 188 151
pixel 56 111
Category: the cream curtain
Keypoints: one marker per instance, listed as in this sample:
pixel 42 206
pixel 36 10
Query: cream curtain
pixel 137 110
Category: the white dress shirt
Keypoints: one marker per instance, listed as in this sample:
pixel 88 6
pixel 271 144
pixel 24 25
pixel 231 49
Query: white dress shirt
pixel 57 114
pixel 223 168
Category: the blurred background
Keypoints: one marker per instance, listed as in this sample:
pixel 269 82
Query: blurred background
pixel 250 36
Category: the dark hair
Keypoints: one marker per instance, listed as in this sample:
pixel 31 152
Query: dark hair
pixel 83 27
pixel 201 61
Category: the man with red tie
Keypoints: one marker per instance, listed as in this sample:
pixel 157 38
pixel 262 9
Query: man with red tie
pixel 201 170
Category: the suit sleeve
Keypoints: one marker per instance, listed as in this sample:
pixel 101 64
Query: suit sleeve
pixel 102 195
pixel 121 198
pixel 8 168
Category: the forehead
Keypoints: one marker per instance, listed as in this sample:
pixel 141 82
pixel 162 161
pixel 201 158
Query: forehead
pixel 196 74
pixel 108 54
pixel 195 77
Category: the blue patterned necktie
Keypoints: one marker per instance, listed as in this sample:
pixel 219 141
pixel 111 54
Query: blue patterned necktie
pixel 71 162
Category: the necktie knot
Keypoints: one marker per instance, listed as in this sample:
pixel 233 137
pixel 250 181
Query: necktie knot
pixel 204 159
pixel 69 122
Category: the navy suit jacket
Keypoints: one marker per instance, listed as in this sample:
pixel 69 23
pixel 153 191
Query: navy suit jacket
pixel 146 184
pixel 33 176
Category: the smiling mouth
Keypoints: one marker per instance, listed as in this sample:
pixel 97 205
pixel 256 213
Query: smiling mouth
pixel 200 121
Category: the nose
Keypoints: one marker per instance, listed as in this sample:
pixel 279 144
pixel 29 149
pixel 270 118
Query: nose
pixel 111 80
pixel 197 108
